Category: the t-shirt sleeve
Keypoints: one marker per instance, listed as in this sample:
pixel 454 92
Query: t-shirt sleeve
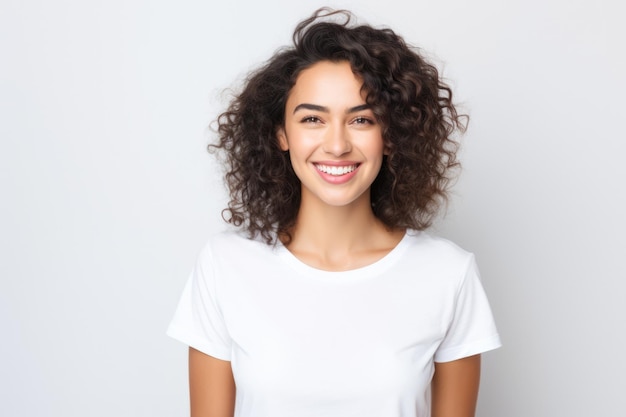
pixel 198 321
pixel 472 329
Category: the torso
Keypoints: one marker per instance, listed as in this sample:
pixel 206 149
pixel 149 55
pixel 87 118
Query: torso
pixel 367 252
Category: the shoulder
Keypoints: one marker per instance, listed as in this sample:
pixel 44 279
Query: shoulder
pixel 233 246
pixel 436 247
pixel 436 259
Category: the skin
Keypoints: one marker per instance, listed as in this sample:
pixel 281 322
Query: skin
pixel 327 122
pixel 211 386
pixel 455 387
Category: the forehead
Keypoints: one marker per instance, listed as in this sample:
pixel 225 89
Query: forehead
pixel 326 83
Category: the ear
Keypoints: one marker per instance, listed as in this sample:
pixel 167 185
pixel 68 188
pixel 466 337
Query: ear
pixel 282 139
pixel 386 149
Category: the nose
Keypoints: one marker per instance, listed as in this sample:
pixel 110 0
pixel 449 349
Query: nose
pixel 337 141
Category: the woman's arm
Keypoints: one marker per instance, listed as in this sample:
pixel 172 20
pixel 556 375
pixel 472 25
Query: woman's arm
pixel 455 387
pixel 211 386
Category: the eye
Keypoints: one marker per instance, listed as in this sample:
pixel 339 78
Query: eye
pixel 310 119
pixel 361 120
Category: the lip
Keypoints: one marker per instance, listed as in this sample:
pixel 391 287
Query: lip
pixel 337 179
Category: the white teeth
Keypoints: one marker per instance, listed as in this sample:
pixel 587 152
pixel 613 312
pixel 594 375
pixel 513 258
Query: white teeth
pixel 336 170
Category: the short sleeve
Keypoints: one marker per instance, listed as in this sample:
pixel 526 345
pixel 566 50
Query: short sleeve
pixel 198 320
pixel 472 329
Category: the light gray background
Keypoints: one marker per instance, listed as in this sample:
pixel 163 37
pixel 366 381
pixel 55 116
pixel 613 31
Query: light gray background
pixel 108 194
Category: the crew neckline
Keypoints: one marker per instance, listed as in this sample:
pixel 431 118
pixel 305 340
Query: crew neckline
pixel 370 270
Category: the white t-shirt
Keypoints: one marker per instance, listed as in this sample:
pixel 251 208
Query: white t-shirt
pixel 306 342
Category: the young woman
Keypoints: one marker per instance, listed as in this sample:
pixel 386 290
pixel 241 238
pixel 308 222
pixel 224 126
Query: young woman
pixel 329 300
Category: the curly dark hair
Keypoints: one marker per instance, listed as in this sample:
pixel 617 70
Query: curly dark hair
pixel 410 100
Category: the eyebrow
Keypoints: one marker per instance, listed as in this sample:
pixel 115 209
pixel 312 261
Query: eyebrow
pixel 324 109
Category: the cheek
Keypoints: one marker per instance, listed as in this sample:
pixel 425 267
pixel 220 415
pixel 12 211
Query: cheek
pixel 375 146
pixel 302 142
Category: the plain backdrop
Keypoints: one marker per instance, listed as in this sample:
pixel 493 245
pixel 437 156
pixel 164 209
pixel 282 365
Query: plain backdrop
pixel 107 192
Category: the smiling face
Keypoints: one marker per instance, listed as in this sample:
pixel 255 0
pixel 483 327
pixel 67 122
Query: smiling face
pixel 334 140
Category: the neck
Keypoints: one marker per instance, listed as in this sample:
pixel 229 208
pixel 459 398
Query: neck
pixel 336 233
pixel 335 227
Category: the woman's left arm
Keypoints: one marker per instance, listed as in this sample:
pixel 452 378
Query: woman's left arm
pixel 455 387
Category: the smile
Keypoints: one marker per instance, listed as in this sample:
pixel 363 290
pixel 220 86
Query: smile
pixel 335 170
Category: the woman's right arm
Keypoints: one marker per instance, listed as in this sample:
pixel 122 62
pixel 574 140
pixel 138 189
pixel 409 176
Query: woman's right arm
pixel 211 386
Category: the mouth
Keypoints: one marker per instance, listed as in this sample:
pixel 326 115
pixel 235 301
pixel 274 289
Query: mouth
pixel 335 170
